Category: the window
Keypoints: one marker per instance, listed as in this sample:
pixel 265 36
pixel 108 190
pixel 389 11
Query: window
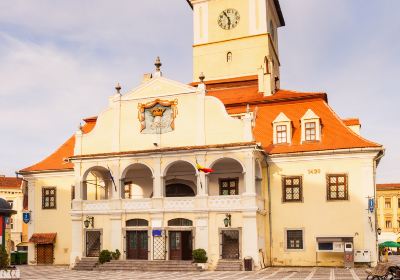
pixel 310 130
pixel 11 223
pixel 127 190
pixel 180 222
pixel 72 193
pixel 137 223
pixel 388 203
pixel 294 239
pixel 229 57
pixel 398 223
pixel 48 198
pixel 292 189
pixel 11 202
pixel 398 203
pixel 229 186
pixel 388 223
pixel 281 134
pixel 337 187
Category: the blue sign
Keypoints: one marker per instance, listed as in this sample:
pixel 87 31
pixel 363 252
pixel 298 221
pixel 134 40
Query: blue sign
pixel 26 217
pixel 157 232
pixel 371 205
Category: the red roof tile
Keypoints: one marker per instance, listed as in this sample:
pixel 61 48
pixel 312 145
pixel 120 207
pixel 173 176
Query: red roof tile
pixel 10 183
pixel 386 187
pixel 56 161
pixel 43 238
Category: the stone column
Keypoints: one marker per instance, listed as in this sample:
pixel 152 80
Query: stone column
pixel 116 232
pixel 249 237
pixel 77 238
pixel 158 185
pixel 249 177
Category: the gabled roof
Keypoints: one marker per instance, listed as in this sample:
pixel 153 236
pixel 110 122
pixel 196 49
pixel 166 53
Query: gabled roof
pixel 56 161
pixel 10 183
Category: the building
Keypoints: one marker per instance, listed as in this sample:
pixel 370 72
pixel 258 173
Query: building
pixel 388 207
pixel 291 181
pixel 11 189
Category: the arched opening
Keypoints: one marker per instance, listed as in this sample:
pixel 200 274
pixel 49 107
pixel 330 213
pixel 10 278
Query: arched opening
pixel 180 180
pixel 137 182
pixel 229 57
pixel 227 178
pixel 96 184
pixel 137 223
pixel 180 222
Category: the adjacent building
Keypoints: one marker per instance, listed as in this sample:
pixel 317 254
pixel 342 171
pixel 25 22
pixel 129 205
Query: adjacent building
pixel 290 183
pixel 388 211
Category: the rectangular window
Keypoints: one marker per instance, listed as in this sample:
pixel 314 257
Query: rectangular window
pixel 294 239
pixel 310 130
pixel 229 186
pixel 388 203
pixel 398 203
pixel 388 224
pixel 11 223
pixel 281 134
pixel 337 188
pixel 48 198
pixel 292 189
pixel 127 189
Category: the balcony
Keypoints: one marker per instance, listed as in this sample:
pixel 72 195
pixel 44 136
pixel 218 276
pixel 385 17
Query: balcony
pixel 223 203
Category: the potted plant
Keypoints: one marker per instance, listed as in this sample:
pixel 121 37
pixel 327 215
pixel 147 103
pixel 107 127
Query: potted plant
pixel 7 271
pixel 200 258
pixel 105 256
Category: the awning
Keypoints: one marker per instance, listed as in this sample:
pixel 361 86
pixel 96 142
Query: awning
pixel 43 238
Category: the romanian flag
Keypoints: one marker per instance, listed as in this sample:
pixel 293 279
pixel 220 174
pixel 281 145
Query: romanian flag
pixel 203 169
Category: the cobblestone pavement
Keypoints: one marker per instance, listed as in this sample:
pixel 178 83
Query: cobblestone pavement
pixel 292 273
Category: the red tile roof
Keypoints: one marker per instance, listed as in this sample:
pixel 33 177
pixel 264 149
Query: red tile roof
pixel 10 183
pixel 43 238
pixel 56 161
pixel 387 187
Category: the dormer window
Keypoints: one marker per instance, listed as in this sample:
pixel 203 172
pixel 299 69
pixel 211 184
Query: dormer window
pixel 310 127
pixel 282 129
pixel 281 134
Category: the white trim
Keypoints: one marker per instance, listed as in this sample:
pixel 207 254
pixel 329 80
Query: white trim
pixel 360 153
pixel 46 174
pixel 310 116
pixel 282 119
pixel 285 230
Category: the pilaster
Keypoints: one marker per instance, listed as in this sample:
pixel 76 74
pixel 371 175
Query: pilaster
pixel 116 236
pixel 77 238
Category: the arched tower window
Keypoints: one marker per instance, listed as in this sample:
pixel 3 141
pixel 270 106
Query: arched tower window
pixel 229 57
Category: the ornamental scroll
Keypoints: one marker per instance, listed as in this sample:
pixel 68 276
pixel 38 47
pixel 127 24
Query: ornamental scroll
pixel 157 116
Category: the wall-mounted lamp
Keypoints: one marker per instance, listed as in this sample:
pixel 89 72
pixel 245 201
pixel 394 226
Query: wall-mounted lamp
pixel 379 231
pixel 89 221
pixel 228 220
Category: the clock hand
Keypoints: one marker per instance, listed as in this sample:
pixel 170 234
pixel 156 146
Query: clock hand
pixel 229 19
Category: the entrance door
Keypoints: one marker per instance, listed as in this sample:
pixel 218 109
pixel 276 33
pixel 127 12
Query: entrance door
pixel 136 245
pixel 180 245
pixel 230 244
pixel 93 243
pixel 44 253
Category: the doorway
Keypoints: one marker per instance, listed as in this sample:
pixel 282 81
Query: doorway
pixel 44 253
pixel 230 244
pixel 180 245
pixel 137 245
pixel 93 243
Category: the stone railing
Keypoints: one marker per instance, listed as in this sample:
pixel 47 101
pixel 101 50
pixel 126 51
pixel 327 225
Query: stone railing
pixel 179 203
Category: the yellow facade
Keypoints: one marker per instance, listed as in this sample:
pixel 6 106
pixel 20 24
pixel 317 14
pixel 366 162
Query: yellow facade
pixel 388 210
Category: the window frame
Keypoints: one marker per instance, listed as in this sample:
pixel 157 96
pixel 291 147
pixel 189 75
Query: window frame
pixel 388 222
pixel 346 186
pixel 284 187
pixel 279 132
pixel 287 248
pixel 390 202
pixel 44 196
pixel 220 182
pixel 313 134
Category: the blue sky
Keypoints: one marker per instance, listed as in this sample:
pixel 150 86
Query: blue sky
pixel 60 60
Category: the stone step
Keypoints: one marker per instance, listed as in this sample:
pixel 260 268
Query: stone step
pixel 140 265
pixel 227 265
pixel 86 264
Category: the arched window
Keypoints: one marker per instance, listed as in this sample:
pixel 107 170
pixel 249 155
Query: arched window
pixel 137 223
pixel 179 190
pixel 180 222
pixel 229 57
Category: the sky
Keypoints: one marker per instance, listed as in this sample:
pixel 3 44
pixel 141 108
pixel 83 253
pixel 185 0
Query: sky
pixel 60 61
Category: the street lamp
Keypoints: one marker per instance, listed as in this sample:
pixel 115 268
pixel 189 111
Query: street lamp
pixel 379 231
pixel 89 221
pixel 228 220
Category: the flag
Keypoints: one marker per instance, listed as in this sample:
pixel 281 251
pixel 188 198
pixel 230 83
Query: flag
pixel 112 178
pixel 203 169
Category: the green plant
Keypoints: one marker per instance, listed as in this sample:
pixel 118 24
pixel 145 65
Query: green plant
pixel 105 256
pixel 4 260
pixel 115 255
pixel 200 256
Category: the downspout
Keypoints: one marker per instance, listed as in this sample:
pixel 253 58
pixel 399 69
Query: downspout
pixel 269 213
pixel 378 157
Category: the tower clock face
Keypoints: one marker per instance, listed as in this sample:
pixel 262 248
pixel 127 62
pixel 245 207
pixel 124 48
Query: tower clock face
pixel 228 19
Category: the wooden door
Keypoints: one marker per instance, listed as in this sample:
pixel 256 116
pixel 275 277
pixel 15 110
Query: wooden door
pixel 44 253
pixel 137 245
pixel 187 247
pixel 230 244
pixel 175 245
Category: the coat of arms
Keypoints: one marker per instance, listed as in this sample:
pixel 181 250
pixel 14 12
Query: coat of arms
pixel 157 116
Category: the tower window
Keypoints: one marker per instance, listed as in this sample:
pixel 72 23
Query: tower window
pixel 229 57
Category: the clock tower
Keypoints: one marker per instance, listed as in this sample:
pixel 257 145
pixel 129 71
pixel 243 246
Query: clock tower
pixel 237 38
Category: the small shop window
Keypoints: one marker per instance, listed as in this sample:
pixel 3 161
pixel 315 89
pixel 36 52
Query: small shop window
pixel 229 186
pixel 294 239
pixel 48 198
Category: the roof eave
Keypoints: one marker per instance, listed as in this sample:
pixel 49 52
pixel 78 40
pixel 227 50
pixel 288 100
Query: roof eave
pixel 190 4
pixel 279 11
